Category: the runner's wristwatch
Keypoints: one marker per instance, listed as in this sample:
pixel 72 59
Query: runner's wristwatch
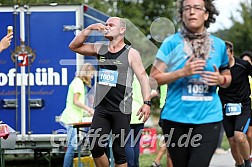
pixel 148 103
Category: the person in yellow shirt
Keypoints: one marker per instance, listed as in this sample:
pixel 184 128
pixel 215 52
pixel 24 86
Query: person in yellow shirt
pixel 132 147
pixel 76 109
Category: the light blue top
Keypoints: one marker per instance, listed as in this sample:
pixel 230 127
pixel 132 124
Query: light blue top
pixel 189 100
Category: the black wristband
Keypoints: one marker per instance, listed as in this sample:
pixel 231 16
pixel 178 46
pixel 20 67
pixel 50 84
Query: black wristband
pixel 148 103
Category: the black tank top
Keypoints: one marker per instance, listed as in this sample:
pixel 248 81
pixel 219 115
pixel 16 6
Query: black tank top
pixel 114 80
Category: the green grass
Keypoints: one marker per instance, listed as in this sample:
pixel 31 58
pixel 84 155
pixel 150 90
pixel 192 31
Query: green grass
pixel 145 160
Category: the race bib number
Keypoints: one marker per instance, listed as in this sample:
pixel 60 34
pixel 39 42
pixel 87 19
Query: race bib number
pixel 195 90
pixel 232 109
pixel 108 77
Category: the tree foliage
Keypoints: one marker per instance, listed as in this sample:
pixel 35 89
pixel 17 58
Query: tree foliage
pixel 240 34
pixel 140 12
pixel 143 12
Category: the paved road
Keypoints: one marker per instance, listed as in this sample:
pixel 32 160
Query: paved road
pixel 223 160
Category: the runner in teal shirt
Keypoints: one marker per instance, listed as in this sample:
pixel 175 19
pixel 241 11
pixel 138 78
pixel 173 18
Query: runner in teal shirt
pixel 193 63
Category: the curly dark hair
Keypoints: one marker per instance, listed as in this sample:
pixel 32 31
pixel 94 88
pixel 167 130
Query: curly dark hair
pixel 210 8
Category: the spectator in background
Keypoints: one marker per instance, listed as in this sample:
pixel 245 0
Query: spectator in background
pixel 247 56
pixel 132 148
pixel 236 105
pixel 6 41
pixel 76 109
pixel 193 63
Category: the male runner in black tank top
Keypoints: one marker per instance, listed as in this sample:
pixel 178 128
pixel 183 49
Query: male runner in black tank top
pixel 116 64
pixel 236 107
pixel 118 97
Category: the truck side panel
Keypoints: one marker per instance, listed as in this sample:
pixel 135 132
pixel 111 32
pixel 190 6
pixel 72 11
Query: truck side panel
pixel 47 44
pixel 49 79
pixel 51 45
pixel 6 63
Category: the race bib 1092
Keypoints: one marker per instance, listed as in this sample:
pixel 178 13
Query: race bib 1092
pixel 195 90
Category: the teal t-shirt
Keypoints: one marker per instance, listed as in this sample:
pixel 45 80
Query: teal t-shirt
pixel 189 100
pixel 73 113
